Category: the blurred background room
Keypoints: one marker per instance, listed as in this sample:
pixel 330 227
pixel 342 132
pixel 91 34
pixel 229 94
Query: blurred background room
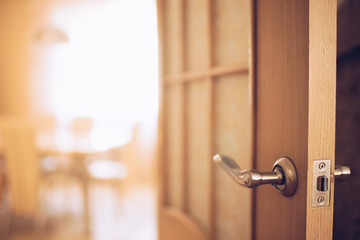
pixel 87 91
pixel 78 116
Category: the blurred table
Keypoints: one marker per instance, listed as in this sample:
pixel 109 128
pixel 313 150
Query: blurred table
pixel 67 142
pixel 77 147
pixel 64 150
pixel 63 141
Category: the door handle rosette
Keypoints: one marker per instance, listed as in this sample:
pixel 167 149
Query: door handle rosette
pixel 283 175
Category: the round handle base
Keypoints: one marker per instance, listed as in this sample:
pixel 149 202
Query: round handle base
pixel 290 182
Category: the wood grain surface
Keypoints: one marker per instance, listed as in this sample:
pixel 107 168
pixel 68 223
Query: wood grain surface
pixel 295 82
pixel 322 109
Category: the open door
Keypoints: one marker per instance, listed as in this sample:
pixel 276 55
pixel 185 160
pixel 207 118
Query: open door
pixel 276 100
pixel 295 95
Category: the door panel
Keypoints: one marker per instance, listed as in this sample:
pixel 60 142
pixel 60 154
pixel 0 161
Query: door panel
pixel 196 35
pixel 172 42
pixel 197 145
pixel 231 31
pixel 282 112
pixel 233 203
pixel 207 99
pixel 174 110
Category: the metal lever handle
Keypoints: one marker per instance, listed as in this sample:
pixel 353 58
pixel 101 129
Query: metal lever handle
pixel 283 175
pixel 247 178
pixel 342 173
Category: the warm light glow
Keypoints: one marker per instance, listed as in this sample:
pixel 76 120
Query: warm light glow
pixel 88 132
pixel 108 69
pixel 103 139
pixel 106 169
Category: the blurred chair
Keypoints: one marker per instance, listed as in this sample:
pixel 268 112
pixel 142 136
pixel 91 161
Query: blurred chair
pixel 106 169
pixel 44 123
pixel 26 175
pixel 22 173
pixel 93 166
pixel 82 125
pixel 70 163
pixel 81 130
pixel 53 161
pixel 109 167
pixel 45 127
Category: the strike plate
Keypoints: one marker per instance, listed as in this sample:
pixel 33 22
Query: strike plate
pixel 321 183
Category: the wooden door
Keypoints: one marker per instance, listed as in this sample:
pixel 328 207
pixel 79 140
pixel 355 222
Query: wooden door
pixel 296 91
pixel 283 104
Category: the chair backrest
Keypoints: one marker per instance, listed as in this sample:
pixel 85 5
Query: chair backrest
pixel 82 125
pixel 22 167
pixel 44 123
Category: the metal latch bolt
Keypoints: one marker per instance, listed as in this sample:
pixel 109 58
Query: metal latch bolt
pixel 321 176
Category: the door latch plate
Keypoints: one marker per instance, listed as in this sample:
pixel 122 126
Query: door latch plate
pixel 321 183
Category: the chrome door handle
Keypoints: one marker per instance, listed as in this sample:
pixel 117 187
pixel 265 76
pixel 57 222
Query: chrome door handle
pixel 283 175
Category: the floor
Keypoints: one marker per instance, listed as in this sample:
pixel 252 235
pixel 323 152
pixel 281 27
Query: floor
pixel 128 214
